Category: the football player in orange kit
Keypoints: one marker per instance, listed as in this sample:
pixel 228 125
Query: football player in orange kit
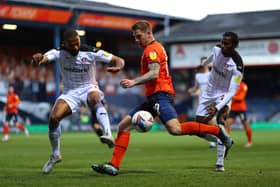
pixel 159 93
pixel 11 111
pixel 238 109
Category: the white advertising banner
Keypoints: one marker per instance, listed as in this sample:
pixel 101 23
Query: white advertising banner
pixel 253 53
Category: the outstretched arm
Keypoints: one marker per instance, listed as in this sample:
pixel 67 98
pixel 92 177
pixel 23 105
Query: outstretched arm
pixel 119 64
pixel 39 58
pixel 152 74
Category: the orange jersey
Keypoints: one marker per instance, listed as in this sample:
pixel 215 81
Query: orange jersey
pixel 238 100
pixel 12 102
pixel 154 52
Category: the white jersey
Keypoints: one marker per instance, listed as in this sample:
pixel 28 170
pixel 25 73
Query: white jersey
pixel 225 76
pixel 201 80
pixel 80 70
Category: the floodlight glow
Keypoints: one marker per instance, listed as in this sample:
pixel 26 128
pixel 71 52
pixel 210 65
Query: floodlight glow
pixel 9 27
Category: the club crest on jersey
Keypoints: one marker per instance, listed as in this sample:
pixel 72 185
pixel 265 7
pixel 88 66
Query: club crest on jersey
pixel 84 60
pixel 153 55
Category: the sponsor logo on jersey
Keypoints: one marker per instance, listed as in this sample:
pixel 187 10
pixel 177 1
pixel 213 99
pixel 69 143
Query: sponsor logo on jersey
pixel 153 55
pixel 105 53
pixel 75 70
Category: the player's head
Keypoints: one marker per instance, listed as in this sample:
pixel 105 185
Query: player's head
pixel 142 32
pixel 229 42
pixel 71 41
pixel 11 89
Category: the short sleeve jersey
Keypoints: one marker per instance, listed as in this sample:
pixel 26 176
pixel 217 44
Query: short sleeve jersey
pixel 222 71
pixel 155 53
pixel 12 100
pixel 80 70
pixel 201 80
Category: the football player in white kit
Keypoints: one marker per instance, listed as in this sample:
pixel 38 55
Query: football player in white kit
pixel 77 66
pixel 200 84
pixel 225 76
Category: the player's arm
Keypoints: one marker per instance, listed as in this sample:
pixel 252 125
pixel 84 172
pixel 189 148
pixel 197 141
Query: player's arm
pixel 118 62
pixel 207 61
pixel 39 58
pixel 152 74
pixel 234 84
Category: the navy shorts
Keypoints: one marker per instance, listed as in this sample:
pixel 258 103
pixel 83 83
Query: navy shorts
pixel 12 116
pixel 241 114
pixel 159 104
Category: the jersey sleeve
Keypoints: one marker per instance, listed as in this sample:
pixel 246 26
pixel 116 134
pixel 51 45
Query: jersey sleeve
pixel 234 84
pixel 103 56
pixel 152 55
pixel 52 54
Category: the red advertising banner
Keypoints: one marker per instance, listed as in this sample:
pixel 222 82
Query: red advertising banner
pixel 35 14
pixel 104 21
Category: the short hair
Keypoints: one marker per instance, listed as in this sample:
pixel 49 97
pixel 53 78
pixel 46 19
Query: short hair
pixel 69 33
pixel 142 25
pixel 233 36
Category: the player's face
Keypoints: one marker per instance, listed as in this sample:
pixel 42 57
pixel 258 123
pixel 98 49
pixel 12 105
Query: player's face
pixel 11 89
pixel 73 45
pixel 227 46
pixel 141 38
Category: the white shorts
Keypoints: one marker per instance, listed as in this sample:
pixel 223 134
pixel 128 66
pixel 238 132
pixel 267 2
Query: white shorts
pixel 205 102
pixel 75 97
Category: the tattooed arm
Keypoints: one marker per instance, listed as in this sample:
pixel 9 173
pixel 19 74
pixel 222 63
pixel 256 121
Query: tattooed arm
pixel 152 74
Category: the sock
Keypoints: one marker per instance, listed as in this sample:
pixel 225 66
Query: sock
pixel 120 148
pixel 195 128
pixel 228 129
pixel 249 134
pixel 54 137
pixel 220 152
pixel 103 119
pixel 6 129
pixel 20 126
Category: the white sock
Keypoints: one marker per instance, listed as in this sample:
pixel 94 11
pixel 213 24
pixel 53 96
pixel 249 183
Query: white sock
pixel 220 152
pixel 103 119
pixel 54 136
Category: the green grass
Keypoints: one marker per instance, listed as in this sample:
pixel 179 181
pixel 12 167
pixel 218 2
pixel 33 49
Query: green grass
pixel 153 159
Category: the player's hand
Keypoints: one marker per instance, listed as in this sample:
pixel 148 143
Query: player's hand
pixel 36 58
pixel 211 111
pixel 113 69
pixel 127 83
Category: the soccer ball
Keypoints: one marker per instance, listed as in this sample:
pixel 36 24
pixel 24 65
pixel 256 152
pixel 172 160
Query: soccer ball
pixel 142 121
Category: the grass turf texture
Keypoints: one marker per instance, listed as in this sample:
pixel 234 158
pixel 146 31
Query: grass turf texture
pixel 153 159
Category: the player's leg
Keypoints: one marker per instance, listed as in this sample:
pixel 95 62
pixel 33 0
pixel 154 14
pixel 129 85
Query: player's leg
pixel 94 101
pixel 121 145
pixel 20 126
pixel 6 128
pixel 59 111
pixel 121 142
pixel 247 128
pixel 221 149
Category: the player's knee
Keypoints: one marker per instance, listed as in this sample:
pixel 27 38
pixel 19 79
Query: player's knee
pixel 175 130
pixel 54 119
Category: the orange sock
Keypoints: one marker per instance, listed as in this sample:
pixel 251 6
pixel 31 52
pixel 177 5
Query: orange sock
pixel 20 126
pixel 6 129
pixel 228 129
pixel 195 128
pixel 249 134
pixel 121 145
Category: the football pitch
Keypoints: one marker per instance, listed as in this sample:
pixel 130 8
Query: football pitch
pixel 153 159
